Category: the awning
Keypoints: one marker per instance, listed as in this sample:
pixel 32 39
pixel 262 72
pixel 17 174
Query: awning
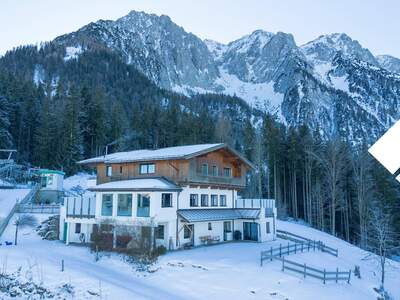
pixel 199 215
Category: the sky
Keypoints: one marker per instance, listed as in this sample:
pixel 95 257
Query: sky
pixel 375 24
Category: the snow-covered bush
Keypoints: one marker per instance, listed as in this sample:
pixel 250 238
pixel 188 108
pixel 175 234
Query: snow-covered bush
pixel 50 228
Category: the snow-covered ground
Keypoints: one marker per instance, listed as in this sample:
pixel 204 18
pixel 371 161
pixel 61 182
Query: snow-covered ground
pixel 227 271
pixel 8 198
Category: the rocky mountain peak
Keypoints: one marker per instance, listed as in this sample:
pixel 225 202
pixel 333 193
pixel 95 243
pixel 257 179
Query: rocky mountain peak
pixel 325 47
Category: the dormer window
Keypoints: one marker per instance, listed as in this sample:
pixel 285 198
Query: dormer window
pixel 204 169
pixel 147 169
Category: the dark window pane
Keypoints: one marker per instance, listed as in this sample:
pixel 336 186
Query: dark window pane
pixel 124 205
pixel 107 205
pixel 166 200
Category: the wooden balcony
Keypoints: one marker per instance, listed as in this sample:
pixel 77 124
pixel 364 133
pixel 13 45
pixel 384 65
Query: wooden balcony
pixel 196 177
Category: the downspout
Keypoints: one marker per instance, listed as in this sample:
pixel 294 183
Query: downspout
pixel 177 223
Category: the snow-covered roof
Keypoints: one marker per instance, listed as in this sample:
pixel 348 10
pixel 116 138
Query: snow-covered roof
pixel 138 184
pixel 217 214
pixel 179 152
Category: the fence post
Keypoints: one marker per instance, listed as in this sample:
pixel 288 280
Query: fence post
pixel 288 248
pixel 337 274
pixel 271 253
pixel 305 270
pixel 301 246
pixel 348 280
pixel 308 246
pixel 324 275
pixel 261 259
pixel 283 264
pixel 314 245
pixel 62 265
pixel 280 250
pixel 295 248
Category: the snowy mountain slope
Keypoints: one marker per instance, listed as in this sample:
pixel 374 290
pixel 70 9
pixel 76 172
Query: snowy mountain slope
pixel 390 63
pixel 227 271
pixel 331 83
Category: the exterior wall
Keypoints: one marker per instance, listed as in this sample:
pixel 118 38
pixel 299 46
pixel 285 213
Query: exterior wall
pixel 184 197
pixel 175 170
pixel 54 181
pixel 201 230
pixel 183 171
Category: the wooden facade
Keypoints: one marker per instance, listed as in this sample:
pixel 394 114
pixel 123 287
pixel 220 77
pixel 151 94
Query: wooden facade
pixel 185 171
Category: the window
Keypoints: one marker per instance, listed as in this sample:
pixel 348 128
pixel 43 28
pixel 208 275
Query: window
pixel 214 171
pixel 227 172
pixel 194 200
pixel 107 205
pixel 204 200
pixel 204 169
pixel 77 227
pixel 222 200
pixel 209 226
pixel 124 205
pixel 147 169
pixel 186 232
pixel 143 207
pixel 268 228
pixel 120 169
pixel 166 200
pixel 214 200
pixel 108 171
pixel 159 232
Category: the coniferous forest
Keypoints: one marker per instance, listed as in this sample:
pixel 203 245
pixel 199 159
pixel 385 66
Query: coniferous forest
pixel 331 183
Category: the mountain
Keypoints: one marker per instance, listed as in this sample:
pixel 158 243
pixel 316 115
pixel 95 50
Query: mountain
pixel 331 83
pixel 389 62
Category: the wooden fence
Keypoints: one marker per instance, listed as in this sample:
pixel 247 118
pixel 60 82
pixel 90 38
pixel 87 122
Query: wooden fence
pixel 300 239
pixel 289 249
pixel 321 274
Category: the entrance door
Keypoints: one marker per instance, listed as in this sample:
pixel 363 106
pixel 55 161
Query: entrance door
pixel 227 230
pixel 250 231
pixel 65 232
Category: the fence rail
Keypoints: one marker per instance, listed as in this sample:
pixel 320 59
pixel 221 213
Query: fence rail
pixel 39 208
pixel 27 198
pixel 300 239
pixel 305 270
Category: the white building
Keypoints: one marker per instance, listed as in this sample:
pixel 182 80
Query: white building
pixel 188 194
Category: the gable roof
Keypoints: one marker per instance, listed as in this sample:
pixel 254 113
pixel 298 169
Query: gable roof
pixel 179 152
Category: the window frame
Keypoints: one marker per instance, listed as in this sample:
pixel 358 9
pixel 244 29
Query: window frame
pixel 129 195
pixel 204 197
pixel 102 205
pixel 158 232
pixel 196 199
pixel 215 202
pixel 209 226
pixel 140 200
pixel 229 172
pixel 214 171
pixel 204 169
pixel 222 203
pixel 268 227
pixel 78 228
pixel 163 202
pixel 108 171
pixel 147 168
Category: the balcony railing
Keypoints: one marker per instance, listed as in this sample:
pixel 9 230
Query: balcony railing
pixel 77 207
pixel 201 178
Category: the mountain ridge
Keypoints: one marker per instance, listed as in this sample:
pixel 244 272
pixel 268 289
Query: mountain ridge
pixel 309 83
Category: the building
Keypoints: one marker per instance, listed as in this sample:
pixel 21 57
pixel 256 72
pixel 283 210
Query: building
pixel 51 186
pixel 188 194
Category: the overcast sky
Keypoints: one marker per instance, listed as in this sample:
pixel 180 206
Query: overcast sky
pixel 375 24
